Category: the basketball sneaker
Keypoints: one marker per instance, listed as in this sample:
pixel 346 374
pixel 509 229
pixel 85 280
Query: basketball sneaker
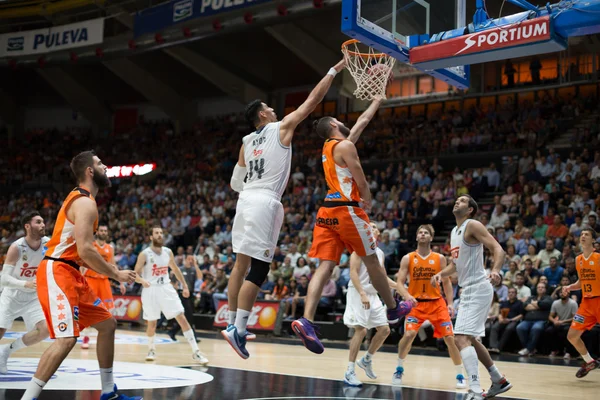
pixel 367 366
pixel 249 335
pixel 471 395
pixel 151 355
pixel 350 379
pixel 395 314
pixel 237 342
pixel 461 382
pixel 200 358
pixel 85 343
pixel 397 377
pixel 307 332
pixel 498 388
pixel 4 359
pixel 586 368
pixel 115 396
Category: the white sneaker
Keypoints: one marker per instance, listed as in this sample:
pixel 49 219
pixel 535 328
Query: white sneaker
pixel 471 395
pixel 498 388
pixel 567 356
pixel 151 355
pixel 351 379
pixel 461 382
pixel 397 377
pixel 367 366
pixel 200 358
pixel 4 359
pixel 524 352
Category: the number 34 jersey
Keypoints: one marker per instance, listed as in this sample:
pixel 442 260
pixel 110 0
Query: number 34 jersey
pixel 268 161
pixel 156 269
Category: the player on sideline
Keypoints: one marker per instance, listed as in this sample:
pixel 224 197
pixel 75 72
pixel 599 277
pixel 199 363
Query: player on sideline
pixel 67 300
pixel 19 299
pixel 467 241
pixel 100 283
pixel 342 223
pixel 264 161
pixel 428 304
pixel 158 295
pixel 364 311
pixel 588 315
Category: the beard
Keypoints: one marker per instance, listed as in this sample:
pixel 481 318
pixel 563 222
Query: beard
pixel 102 237
pixel 157 242
pixel 101 180
pixel 344 130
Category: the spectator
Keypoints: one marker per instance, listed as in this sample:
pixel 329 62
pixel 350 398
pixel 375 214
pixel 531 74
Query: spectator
pixel 546 254
pixel 532 256
pixel 524 162
pixel 571 270
pixel 128 260
pixel 540 229
pixel 561 315
pixel 499 217
pixel 577 226
pixel 545 169
pixel 509 176
pixel 493 314
pixel 533 324
pixel 511 312
pixel 532 275
pixel 266 289
pixel 523 291
pixel 280 291
pixel 510 276
pixel 553 273
pixel 301 269
pixel 557 232
pixel 501 291
pixel 294 255
pixel 286 269
pixel 524 242
pixel 389 249
pixel 274 273
pixel 297 300
pixel 493 177
pixel 393 232
pixel 592 223
pixel 328 294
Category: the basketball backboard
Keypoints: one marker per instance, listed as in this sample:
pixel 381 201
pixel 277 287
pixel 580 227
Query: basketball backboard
pixel 391 25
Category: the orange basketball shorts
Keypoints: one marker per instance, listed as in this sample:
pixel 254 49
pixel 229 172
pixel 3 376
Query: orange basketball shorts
pixel 588 314
pixel 339 228
pixel 68 302
pixel 436 312
pixel 101 286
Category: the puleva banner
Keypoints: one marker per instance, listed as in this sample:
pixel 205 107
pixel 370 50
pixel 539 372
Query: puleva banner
pixel 164 15
pixel 56 38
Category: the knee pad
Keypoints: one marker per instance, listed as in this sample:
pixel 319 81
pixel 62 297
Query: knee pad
pixel 258 272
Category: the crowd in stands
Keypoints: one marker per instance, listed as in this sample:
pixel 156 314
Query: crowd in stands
pixel 547 200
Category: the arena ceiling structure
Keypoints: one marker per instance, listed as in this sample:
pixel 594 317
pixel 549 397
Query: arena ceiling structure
pixel 242 49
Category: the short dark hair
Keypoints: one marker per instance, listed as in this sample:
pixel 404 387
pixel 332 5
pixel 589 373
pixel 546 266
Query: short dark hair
pixel 153 227
pixel 522 275
pixel 591 231
pixel 28 217
pixel 80 163
pixel 252 110
pixel 322 127
pixel 472 204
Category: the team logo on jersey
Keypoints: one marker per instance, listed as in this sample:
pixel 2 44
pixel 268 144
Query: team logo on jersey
pixel 591 263
pixel 412 320
pixel 24 257
pixel 416 261
pixel 75 313
pixel 267 253
pixel 62 326
pixel 323 159
pixel 459 232
pixel 373 246
pixel 431 261
pixel 579 318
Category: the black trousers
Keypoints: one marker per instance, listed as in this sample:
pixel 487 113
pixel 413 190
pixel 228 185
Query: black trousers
pixel 557 338
pixel 188 307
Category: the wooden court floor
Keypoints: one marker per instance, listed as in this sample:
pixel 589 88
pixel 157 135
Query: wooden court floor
pixel 530 381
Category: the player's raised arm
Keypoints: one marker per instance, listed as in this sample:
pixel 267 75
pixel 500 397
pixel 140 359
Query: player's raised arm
pixel 239 172
pixel 350 156
pixel 364 120
pixel 476 230
pixel 292 120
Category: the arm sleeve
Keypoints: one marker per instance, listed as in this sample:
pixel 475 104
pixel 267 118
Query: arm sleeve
pixel 237 178
pixel 9 281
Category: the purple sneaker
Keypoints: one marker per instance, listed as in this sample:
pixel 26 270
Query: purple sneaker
pixel 395 314
pixel 307 332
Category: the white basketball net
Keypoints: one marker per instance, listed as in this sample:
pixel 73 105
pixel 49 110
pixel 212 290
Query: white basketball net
pixel 371 71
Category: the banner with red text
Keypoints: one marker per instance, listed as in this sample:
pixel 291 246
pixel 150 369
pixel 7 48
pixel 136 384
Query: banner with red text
pixel 262 318
pixel 127 308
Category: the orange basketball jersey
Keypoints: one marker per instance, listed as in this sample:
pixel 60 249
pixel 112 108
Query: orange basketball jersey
pixel 62 244
pixel 420 272
pixel 340 183
pixel 107 253
pixel 589 274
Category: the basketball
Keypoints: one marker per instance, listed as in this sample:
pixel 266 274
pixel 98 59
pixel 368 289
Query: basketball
pixel 267 317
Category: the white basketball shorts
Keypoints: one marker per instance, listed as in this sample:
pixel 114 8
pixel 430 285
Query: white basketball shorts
pixel 160 298
pixel 475 303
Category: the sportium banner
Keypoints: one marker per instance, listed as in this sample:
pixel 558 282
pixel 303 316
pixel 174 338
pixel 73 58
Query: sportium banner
pixel 57 38
pixel 262 318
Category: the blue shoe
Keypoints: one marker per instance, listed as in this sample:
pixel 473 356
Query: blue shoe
pixel 115 396
pixel 236 341
pixel 461 382
pixel 249 335
pixel 397 377
pixel 307 332
pixel 395 314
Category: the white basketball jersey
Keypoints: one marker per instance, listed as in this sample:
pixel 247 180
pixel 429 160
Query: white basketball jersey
pixel 363 274
pixel 268 162
pixel 29 259
pixel 156 269
pixel 468 258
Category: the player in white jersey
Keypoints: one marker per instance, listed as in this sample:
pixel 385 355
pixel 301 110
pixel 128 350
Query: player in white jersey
pixel 261 175
pixel 467 241
pixel 158 295
pixel 364 311
pixel 19 297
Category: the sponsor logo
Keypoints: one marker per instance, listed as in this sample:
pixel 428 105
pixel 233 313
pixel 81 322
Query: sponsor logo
pixel 15 43
pixel 182 10
pixel 579 319
pixel 447 323
pixel 323 158
pixel 501 37
pixel 335 195
pixel 373 246
pixel 97 302
pixel 75 313
pixel 62 326
pixel 257 153
pixel 77 374
pixel 328 221
pixel 455 252
pixel 262 317
pixel 28 271
pixel 58 39
pixel 127 308
pixel 159 271
pixel 412 320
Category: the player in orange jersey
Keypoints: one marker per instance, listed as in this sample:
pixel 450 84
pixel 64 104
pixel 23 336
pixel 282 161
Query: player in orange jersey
pixel 342 223
pixel 428 305
pixel 100 283
pixel 588 315
pixel 68 303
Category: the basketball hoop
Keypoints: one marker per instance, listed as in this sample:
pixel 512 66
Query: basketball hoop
pixel 371 71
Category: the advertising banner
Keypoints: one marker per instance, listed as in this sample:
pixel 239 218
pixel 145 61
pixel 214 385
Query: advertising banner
pixel 127 308
pixel 57 38
pixel 164 15
pixel 262 318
